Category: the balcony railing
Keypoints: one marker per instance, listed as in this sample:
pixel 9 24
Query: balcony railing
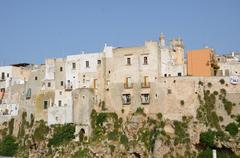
pixel 145 85
pixel 128 85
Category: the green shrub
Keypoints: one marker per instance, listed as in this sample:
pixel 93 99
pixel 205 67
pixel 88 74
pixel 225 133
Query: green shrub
pixel 207 153
pixel 11 126
pixel 62 134
pixel 200 83
pixel 232 128
pixel 223 92
pixel 41 131
pixel 222 81
pixel 209 84
pixel 112 135
pixel 124 140
pixel 238 119
pixel 140 111
pixel 159 116
pixel 181 132
pixel 32 120
pixel 207 138
pixel 220 118
pixel 8 146
pixel 101 117
pixel 215 92
pixel 227 105
pixel 82 153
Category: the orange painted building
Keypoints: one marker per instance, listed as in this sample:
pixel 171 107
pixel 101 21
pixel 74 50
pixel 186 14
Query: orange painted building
pixel 199 62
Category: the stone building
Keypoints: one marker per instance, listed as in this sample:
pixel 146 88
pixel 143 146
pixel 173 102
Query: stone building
pixel 151 76
pixel 200 62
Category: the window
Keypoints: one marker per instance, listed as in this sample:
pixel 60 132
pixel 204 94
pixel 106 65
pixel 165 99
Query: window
pixel 145 60
pixel 169 91
pixel 87 64
pixel 45 104
pixel 28 95
pixel 145 83
pixel 128 82
pixel 179 74
pixel 61 68
pixel 61 83
pixel 2 89
pixel 128 61
pixel 126 99
pixel 3 76
pixel 60 92
pixel 59 103
pixel 165 75
pixel 73 65
pixel 49 84
pixel 99 62
pixel 145 98
pixel 7 74
pixel 36 78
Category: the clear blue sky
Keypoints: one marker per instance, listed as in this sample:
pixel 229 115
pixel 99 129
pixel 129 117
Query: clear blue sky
pixel 32 30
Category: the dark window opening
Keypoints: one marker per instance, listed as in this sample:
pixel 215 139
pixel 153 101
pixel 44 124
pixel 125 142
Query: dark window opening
pixel 126 99
pixel 3 76
pixel 61 83
pixel 99 62
pixel 169 91
pixel 73 65
pixel 145 60
pixel 179 74
pixel 49 84
pixel 87 64
pixel 61 68
pixel 36 78
pixel 59 103
pixel 165 75
pixel 128 61
pixel 45 104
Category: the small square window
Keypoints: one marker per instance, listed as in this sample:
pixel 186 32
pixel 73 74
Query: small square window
pixel 126 99
pixel 36 78
pixel 145 98
pixel 61 83
pixel 60 92
pixel 49 84
pixel 169 91
pixel 179 74
pixel 99 62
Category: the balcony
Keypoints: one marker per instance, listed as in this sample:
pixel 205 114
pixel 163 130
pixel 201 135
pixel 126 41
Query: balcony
pixel 68 87
pixel 145 84
pixel 128 85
